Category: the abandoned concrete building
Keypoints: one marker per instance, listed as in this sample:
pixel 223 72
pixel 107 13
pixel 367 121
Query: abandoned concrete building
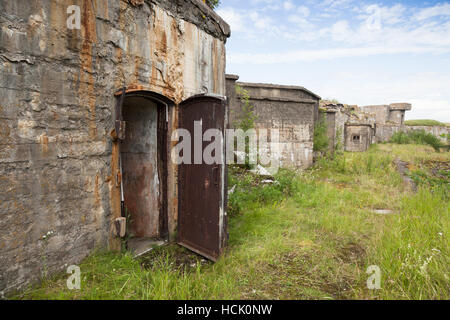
pixel 292 110
pixel 358 136
pixel 389 119
pixel 348 127
pixel 86 120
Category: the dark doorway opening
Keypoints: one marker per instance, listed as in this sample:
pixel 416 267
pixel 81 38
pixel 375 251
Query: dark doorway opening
pixel 143 159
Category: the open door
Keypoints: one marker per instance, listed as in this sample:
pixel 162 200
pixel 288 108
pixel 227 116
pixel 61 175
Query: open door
pixel 201 187
pixel 143 166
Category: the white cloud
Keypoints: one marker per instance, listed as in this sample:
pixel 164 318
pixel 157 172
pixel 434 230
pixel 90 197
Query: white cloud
pixel 233 18
pixel 288 5
pixel 299 21
pixel 304 11
pixel 333 4
pixel 429 109
pixel 256 2
pixel 438 10
pixel 328 54
pixel 338 29
pixel 375 16
pixel 261 22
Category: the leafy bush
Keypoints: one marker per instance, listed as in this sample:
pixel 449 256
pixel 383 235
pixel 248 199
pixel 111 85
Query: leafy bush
pixel 212 3
pixel 247 117
pixel 338 148
pixel 417 137
pixel 246 120
pixel 249 191
pixel 320 134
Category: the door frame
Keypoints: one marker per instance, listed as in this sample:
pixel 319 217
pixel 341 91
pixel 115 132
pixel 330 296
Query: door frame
pixel 164 105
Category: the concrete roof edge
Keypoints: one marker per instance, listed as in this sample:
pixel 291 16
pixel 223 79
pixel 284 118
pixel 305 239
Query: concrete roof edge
pixel 277 86
pixel 375 105
pixel 232 76
pixel 400 106
pixel 218 19
pixel 278 99
pixel 358 124
pixel 201 15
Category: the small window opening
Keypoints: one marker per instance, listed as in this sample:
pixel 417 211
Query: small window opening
pixel 356 138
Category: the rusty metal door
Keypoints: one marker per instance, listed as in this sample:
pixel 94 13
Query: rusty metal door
pixel 201 187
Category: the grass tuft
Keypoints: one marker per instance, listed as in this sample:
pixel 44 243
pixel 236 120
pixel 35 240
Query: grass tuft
pixel 425 122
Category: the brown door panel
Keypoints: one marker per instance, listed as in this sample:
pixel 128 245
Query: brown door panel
pixel 200 186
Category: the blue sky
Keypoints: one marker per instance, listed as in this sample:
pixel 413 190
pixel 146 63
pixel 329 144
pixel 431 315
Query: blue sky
pixel 358 52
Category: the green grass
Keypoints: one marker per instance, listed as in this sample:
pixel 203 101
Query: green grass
pixel 425 122
pixel 312 235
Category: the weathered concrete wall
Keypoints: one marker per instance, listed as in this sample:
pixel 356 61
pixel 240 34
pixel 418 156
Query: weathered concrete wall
pixel 364 132
pixel 388 114
pixel 331 130
pixel 397 117
pixel 439 131
pixel 232 99
pixel 290 109
pixel 58 165
pixel 341 119
pixel 384 132
pixel 389 119
pixel 339 116
pixel 381 113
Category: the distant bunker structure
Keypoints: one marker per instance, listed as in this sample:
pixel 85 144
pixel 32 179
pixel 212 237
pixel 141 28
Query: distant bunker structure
pixel 87 119
pixel 348 126
pixel 389 119
pixel 358 137
pixel 292 110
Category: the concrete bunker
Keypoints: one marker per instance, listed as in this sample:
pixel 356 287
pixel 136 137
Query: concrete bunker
pixel 358 137
pixel 348 126
pixel 292 110
pixel 60 153
pixel 389 119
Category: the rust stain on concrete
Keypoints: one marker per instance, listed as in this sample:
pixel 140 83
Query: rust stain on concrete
pixel 87 82
pixel 43 140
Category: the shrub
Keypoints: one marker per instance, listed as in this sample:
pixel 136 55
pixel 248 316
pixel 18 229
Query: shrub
pixel 320 134
pixel 249 191
pixel 417 137
pixel 246 120
pixel 212 3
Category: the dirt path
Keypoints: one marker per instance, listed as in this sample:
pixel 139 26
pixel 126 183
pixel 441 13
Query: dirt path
pixel 402 168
